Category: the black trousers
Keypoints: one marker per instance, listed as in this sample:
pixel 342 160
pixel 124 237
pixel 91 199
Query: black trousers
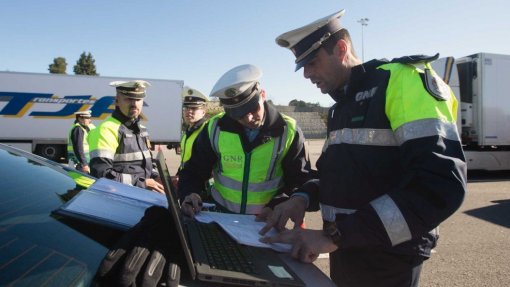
pixel 374 268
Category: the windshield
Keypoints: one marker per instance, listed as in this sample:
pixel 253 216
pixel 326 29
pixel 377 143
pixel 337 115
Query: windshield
pixel 36 247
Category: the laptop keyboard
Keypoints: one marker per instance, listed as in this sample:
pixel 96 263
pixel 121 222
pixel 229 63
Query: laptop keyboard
pixel 223 252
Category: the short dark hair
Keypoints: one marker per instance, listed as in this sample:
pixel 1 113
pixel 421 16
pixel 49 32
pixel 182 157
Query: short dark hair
pixel 342 34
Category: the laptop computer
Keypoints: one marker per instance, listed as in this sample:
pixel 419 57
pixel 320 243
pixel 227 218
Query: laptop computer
pixel 235 264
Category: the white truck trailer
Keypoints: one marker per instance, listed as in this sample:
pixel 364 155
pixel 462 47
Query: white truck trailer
pixel 481 82
pixel 37 110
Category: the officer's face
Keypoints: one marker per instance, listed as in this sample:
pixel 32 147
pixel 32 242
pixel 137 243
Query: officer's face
pixel 84 121
pixel 255 118
pixel 192 115
pixel 325 71
pixel 129 107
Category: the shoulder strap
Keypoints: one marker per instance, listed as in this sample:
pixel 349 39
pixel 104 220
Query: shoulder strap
pixel 415 59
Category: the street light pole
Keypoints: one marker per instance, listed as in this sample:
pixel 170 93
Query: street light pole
pixel 363 22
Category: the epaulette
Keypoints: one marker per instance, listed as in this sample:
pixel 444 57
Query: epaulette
pixel 434 85
pixel 415 59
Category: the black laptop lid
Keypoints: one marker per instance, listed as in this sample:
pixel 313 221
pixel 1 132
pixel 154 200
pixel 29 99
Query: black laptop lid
pixel 174 208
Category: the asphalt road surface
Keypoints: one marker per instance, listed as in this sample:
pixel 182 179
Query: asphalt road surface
pixel 474 243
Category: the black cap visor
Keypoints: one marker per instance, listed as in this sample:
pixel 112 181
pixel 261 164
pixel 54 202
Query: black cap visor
pixel 250 106
pixel 306 59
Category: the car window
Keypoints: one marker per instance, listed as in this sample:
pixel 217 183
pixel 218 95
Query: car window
pixel 37 247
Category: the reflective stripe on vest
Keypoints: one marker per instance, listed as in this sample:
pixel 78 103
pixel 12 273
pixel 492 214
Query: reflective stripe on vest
pixel 235 207
pixel 387 137
pixel 132 156
pixel 246 182
pixel 105 153
pixel 254 187
pixel 427 128
pixel 393 221
pixel 104 142
pixel 127 179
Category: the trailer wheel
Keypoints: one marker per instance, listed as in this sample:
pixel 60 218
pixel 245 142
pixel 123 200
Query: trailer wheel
pixel 52 152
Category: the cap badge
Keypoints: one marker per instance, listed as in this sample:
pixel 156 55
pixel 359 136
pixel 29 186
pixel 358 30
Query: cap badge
pixel 232 92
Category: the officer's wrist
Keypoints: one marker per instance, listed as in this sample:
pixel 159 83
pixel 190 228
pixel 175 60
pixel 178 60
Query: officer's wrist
pixel 302 195
pixel 331 231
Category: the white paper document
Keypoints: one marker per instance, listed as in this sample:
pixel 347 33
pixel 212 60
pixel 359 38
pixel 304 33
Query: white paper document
pixel 242 228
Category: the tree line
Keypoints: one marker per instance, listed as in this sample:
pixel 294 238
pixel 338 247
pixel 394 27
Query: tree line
pixel 86 65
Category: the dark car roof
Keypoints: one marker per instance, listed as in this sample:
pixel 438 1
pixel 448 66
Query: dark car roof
pixel 36 246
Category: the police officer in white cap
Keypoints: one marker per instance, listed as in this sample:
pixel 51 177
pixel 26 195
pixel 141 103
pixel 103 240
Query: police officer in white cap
pixel 77 145
pixel 392 168
pixel 120 146
pixel 194 110
pixel 255 154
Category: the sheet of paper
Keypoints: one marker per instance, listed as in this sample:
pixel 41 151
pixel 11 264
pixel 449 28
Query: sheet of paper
pixel 242 228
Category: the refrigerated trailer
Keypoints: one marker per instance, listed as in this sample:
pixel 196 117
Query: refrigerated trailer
pixel 481 83
pixel 37 110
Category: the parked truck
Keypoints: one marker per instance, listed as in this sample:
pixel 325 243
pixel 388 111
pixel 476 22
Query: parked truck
pixel 37 110
pixel 481 83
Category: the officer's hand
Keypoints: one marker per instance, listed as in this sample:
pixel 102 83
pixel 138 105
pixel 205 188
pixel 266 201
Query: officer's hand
pixel 264 214
pixel 191 205
pixel 306 244
pixel 86 169
pixel 143 256
pixel 154 185
pixel 268 209
pixel 293 209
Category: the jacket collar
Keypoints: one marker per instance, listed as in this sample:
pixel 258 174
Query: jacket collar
pixel 128 122
pixel 358 74
pixel 196 126
pixel 273 122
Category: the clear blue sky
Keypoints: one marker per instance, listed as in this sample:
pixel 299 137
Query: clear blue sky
pixel 198 40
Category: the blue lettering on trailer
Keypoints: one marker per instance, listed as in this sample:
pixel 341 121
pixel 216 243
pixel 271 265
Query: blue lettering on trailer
pixel 19 103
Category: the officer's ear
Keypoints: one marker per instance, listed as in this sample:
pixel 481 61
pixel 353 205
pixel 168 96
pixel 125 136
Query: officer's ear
pixel 263 94
pixel 341 48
